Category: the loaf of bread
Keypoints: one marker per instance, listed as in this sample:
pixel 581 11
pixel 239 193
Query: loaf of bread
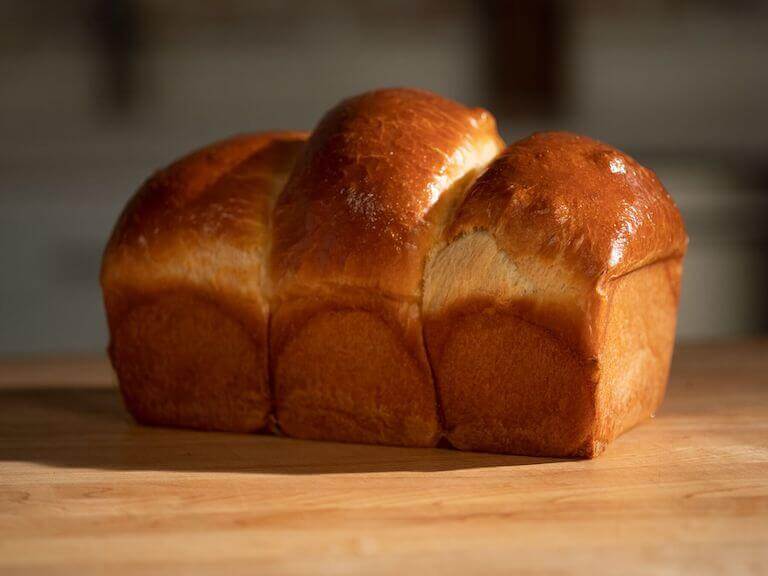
pixel 399 278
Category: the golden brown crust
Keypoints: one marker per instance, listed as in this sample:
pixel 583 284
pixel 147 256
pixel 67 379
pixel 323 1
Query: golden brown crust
pixel 204 219
pixel 356 210
pixel 362 209
pixel 549 316
pixel 510 385
pixel 562 196
pixel 537 309
pixel 184 286
pixel 161 202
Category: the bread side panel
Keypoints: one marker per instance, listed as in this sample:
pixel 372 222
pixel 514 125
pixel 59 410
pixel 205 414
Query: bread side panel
pixel 509 385
pixel 352 368
pixel 561 196
pixel 512 345
pixel 637 350
pixel 184 359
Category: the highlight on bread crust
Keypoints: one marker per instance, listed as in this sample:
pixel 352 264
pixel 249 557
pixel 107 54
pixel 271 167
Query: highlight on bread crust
pixel 549 315
pixel 363 208
pixel 184 282
pixel 397 278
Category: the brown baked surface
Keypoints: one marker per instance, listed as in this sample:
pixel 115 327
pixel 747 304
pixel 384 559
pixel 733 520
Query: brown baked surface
pixel 183 281
pixel 361 204
pixel 510 385
pixel 365 204
pixel 562 195
pixel 397 278
pixel 550 312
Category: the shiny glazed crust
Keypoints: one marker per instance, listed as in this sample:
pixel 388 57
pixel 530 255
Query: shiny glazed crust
pixel 387 294
pixel 558 195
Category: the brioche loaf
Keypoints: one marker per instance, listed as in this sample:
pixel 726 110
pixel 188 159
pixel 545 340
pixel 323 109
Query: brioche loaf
pixel 397 278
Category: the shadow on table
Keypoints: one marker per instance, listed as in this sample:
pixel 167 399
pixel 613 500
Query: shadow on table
pixel 88 428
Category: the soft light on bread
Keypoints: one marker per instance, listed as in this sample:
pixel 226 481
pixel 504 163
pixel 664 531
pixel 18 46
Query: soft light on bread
pixel 398 278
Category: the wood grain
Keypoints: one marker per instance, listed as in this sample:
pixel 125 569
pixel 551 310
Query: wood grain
pixel 84 490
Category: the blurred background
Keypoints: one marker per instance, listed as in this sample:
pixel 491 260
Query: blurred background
pixel 96 94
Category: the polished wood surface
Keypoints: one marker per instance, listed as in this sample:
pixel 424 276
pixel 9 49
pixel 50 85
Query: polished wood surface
pixel 84 490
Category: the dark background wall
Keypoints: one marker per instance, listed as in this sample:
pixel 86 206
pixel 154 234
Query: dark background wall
pixel 96 94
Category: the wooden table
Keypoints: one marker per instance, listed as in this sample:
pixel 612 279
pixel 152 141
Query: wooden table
pixel 83 489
